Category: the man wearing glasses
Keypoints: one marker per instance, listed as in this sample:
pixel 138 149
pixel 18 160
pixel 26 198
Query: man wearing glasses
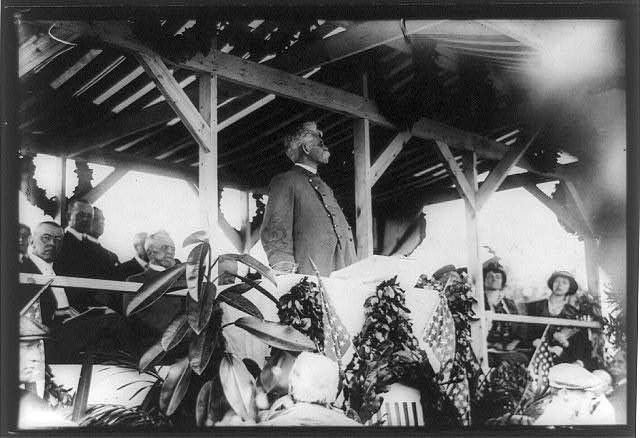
pixel 303 219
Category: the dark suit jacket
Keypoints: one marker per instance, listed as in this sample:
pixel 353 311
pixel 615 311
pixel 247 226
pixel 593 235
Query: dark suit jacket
pixel 127 269
pixel 152 321
pixel 48 302
pixel 303 219
pixel 83 258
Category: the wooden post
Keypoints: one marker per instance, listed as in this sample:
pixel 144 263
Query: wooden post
pixel 84 385
pixel 208 160
pixel 362 166
pixel 474 267
pixel 61 217
pixel 591 260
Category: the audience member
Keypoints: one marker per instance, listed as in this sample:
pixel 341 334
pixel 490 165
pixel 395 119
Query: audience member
pixel 24 234
pixel 572 343
pixel 46 244
pixel 80 257
pixel 152 321
pixel 138 263
pixel 503 337
pixel 97 230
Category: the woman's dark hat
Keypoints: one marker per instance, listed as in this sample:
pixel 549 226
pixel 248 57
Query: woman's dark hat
pixel 493 265
pixel 443 271
pixel 573 284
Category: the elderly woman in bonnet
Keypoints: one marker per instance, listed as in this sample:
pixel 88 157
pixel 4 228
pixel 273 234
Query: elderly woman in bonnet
pixel 569 344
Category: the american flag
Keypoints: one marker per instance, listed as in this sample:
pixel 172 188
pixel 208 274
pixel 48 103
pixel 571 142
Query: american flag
pixel 539 367
pixel 440 335
pixel 336 336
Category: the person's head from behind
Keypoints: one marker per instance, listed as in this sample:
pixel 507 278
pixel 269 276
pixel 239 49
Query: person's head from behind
pixel 305 145
pixel 562 283
pixel 80 215
pixel 97 226
pixel 160 249
pixel 138 245
pixel 24 235
pixel 46 241
pixel 445 273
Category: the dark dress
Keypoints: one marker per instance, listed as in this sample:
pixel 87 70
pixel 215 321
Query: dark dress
pixel 303 220
pixel 579 348
pixel 127 269
pixel 503 333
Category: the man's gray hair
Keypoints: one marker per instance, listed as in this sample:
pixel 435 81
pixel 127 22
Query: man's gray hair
pixel 151 238
pixel 303 134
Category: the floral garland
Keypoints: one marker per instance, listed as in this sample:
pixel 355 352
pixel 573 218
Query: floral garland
pixel 301 309
pixel 386 352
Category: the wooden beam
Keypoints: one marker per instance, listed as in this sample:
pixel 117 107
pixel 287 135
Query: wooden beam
pixel 179 101
pixel 133 75
pixel 387 156
pixel 474 266
pixel 500 172
pixel 467 192
pixel 208 157
pixel 581 207
pixel 61 217
pixel 559 211
pixel 526 319
pixel 362 168
pixel 75 68
pixel 104 185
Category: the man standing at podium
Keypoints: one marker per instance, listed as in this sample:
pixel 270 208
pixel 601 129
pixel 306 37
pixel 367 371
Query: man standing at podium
pixel 303 219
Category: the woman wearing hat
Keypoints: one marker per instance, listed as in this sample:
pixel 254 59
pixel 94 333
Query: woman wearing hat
pixel 573 343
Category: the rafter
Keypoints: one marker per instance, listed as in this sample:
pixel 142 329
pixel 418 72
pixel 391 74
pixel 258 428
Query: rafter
pixel 462 185
pixel 385 159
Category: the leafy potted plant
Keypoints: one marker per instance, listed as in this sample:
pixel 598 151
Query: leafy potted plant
pixel 209 381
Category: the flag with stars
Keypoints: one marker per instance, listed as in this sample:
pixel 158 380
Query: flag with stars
pixel 458 391
pixel 539 367
pixel 440 334
pixel 336 337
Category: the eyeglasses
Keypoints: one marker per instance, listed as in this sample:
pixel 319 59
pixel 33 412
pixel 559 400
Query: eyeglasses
pixel 47 238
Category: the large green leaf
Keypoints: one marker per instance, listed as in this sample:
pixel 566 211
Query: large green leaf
pixel 196 269
pixel 246 259
pixel 175 332
pixel 238 288
pixel 202 346
pixel 239 386
pixel 153 289
pixel 199 313
pixel 256 286
pixel 175 386
pixel 202 404
pixel 151 357
pixel 277 335
pixel 241 303
pixel 197 237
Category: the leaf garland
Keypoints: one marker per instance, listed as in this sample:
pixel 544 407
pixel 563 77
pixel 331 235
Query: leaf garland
pixel 301 309
pixel 386 351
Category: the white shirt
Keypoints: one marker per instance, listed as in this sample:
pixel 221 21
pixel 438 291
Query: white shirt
pixel 47 269
pixel 156 267
pixel 75 234
pixel 93 239
pixel 309 168
pixel 141 262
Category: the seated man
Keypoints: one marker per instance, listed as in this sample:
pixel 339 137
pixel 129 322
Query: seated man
pixel 110 258
pixel 138 263
pixel 46 244
pixel 154 319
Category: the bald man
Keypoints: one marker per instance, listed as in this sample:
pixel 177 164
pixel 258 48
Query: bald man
pixel 138 263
